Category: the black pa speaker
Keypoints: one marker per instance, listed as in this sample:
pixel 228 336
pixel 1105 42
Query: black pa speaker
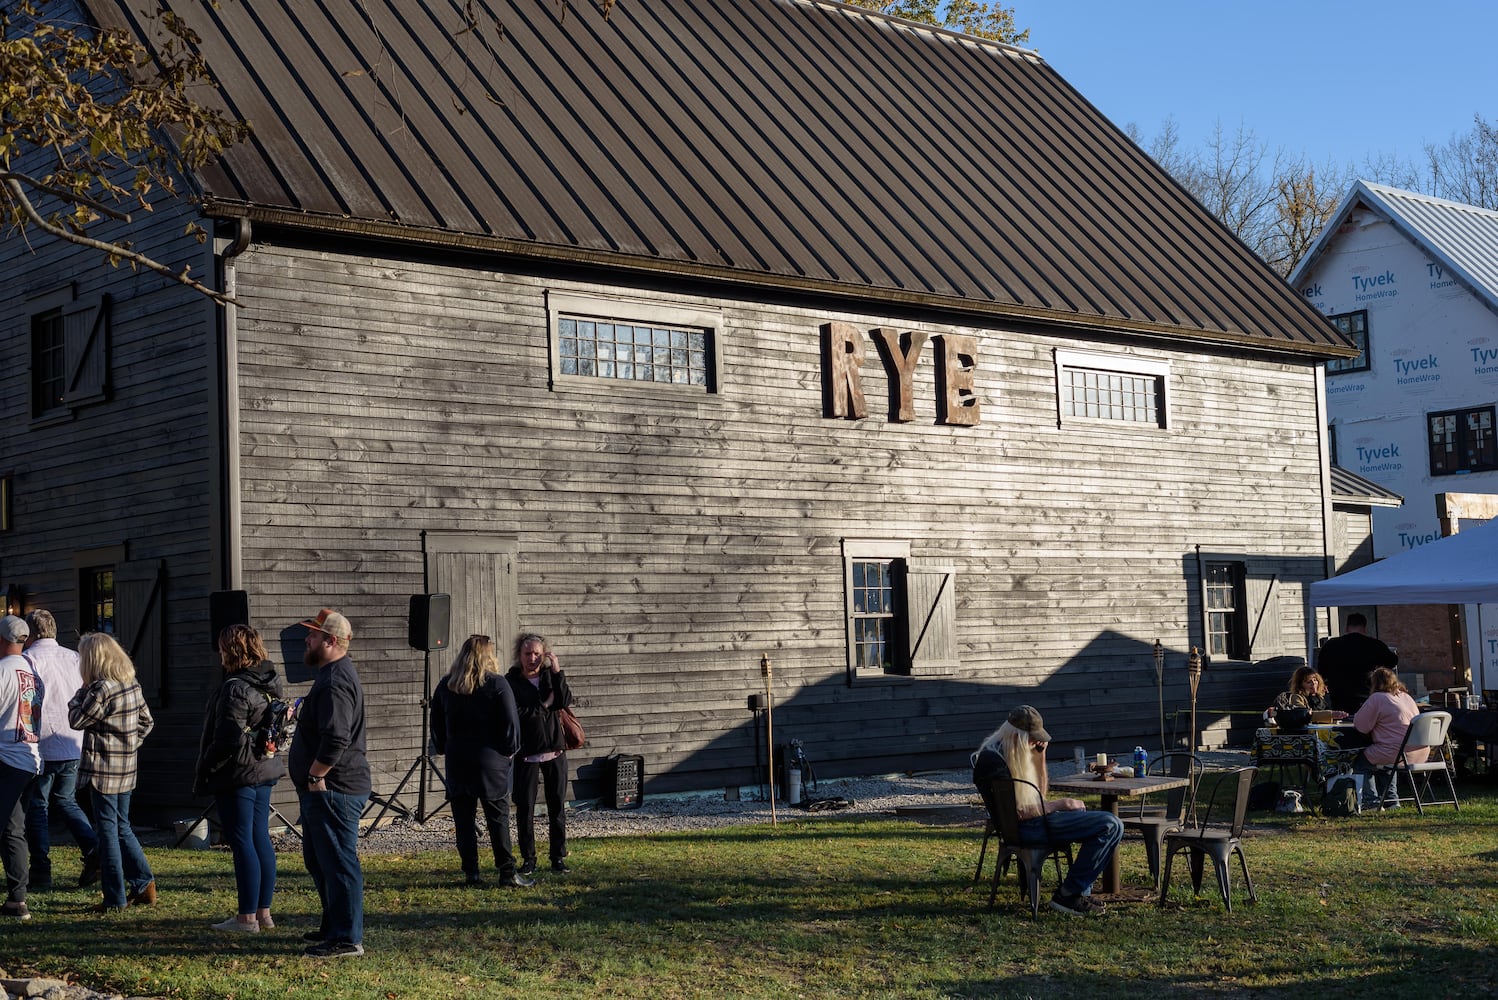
pixel 431 617
pixel 225 608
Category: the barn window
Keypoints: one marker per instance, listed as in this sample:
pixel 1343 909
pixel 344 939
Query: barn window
pixel 69 352
pixel 1462 441
pixel 899 611
pixel 96 599
pixel 1226 634
pixel 639 343
pixel 1355 326
pixel 1111 387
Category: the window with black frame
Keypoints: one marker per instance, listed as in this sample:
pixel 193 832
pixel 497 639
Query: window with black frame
pixel 1355 326
pixel 1462 441
pixel 1227 633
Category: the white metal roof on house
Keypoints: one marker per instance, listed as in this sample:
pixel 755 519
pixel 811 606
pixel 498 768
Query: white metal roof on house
pixel 1462 238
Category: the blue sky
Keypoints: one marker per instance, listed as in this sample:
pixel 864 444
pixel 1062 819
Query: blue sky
pixel 1328 78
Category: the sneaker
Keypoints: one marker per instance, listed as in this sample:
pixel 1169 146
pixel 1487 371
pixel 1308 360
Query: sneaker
pixel 334 949
pixel 266 923
pixel 528 868
pixel 15 910
pixel 106 908
pixel 39 886
pixel 560 867
pixel 1075 906
pixel 90 873
pixel 315 937
pixel 473 878
pixel 234 924
pixel 516 881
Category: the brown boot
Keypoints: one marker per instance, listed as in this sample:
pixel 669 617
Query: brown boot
pixel 143 897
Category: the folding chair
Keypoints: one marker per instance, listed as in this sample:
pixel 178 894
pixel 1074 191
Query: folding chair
pixel 1428 729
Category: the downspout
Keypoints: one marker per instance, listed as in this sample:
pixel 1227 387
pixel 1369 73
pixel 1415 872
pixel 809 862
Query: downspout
pixel 230 553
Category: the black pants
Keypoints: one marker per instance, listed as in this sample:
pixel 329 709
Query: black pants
pixel 13 785
pixel 553 774
pixel 465 831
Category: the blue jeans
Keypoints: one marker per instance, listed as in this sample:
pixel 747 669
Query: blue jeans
pixel 56 786
pixel 121 861
pixel 1095 833
pixel 245 815
pixel 330 849
pixel 13 782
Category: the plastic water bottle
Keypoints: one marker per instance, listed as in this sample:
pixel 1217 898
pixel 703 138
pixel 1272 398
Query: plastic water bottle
pixel 1141 762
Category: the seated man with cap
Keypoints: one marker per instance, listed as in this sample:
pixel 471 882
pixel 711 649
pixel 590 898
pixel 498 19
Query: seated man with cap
pixel 1017 749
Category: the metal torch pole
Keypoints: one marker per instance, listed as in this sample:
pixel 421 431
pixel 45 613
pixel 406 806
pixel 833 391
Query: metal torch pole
pixel 764 668
pixel 1160 689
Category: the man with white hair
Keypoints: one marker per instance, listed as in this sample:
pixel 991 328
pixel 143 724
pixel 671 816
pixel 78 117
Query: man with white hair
pixel 61 745
pixel 20 761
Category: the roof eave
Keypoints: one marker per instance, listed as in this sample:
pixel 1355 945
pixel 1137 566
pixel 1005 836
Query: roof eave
pixel 634 263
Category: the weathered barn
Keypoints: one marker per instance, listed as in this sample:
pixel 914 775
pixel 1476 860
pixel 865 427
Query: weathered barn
pixel 699 333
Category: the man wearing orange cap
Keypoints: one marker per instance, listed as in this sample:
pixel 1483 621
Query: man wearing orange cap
pixel 330 769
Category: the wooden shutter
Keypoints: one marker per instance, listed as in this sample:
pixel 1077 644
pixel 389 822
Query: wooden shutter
pixel 85 328
pixel 140 625
pixel 1262 589
pixel 930 615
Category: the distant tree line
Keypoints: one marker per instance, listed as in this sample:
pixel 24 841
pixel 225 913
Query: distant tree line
pixel 1277 202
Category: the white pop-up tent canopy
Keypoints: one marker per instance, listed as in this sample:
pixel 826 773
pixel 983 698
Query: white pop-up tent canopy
pixel 1457 569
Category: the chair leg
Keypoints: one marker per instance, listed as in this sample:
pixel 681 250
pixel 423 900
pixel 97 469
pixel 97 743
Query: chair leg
pixel 1220 868
pixel 1198 861
pixel 978 875
pixel 1165 878
pixel 1248 882
pixel 1152 845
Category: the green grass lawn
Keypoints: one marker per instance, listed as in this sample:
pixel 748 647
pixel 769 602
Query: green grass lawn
pixel 1392 905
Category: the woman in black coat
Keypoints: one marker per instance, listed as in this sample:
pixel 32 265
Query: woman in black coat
pixel 540 690
pixel 239 781
pixel 474 725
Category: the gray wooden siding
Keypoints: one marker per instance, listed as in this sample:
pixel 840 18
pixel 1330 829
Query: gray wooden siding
pixel 666 540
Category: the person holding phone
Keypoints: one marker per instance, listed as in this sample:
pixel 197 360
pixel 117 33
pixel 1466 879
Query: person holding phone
pixel 540 690
pixel 1017 749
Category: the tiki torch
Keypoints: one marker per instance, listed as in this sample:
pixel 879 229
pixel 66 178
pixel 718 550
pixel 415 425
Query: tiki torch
pixel 1194 671
pixel 1160 688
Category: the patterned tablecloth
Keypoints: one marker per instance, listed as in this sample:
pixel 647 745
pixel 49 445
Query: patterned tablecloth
pixel 1321 755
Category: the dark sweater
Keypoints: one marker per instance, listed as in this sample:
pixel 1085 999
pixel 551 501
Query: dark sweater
pixel 540 732
pixel 330 728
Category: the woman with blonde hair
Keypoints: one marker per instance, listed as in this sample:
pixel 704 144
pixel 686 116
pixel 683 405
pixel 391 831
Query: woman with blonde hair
pixel 474 724
pixel 111 710
pixel 1385 717
pixel 240 781
pixel 1017 750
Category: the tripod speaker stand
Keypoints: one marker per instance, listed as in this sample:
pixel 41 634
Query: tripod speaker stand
pixel 430 619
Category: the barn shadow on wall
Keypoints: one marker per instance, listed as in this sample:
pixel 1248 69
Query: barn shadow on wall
pixel 1105 699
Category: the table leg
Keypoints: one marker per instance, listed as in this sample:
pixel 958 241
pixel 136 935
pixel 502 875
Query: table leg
pixel 1113 874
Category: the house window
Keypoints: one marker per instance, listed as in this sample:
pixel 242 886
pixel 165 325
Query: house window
pixel 1355 326
pixel 633 342
pixel 69 352
pixel 1462 441
pixel 1111 387
pixel 1227 632
pixel 873 615
pixel 48 363
pixel 900 612
pixel 96 599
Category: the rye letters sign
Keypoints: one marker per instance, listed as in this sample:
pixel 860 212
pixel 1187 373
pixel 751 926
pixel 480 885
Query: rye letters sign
pixel 845 345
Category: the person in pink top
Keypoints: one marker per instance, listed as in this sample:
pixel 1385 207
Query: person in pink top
pixel 1385 717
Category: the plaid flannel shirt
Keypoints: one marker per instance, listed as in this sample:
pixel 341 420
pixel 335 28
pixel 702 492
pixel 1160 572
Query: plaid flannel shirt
pixel 115 722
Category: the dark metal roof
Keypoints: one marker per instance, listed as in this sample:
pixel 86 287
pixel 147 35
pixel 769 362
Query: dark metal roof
pixel 1351 487
pixel 792 143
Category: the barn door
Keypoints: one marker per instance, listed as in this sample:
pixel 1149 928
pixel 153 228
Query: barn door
pixel 139 593
pixel 478 572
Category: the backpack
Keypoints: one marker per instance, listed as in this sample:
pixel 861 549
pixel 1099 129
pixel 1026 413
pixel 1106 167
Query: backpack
pixel 276 727
pixel 1344 796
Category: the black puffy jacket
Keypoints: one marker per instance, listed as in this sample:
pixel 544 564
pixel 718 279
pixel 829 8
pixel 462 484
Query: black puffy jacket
pixel 225 758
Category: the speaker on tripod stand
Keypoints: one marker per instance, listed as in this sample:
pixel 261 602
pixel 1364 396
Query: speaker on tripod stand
pixel 427 627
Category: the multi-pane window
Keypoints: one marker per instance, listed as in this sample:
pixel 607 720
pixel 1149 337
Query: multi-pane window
pixel 1105 395
pixel 873 616
pixel 1226 631
pixel 1462 441
pixel 1121 388
pixel 638 352
pixel 1355 326
pixel 96 607
pixel 48 362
